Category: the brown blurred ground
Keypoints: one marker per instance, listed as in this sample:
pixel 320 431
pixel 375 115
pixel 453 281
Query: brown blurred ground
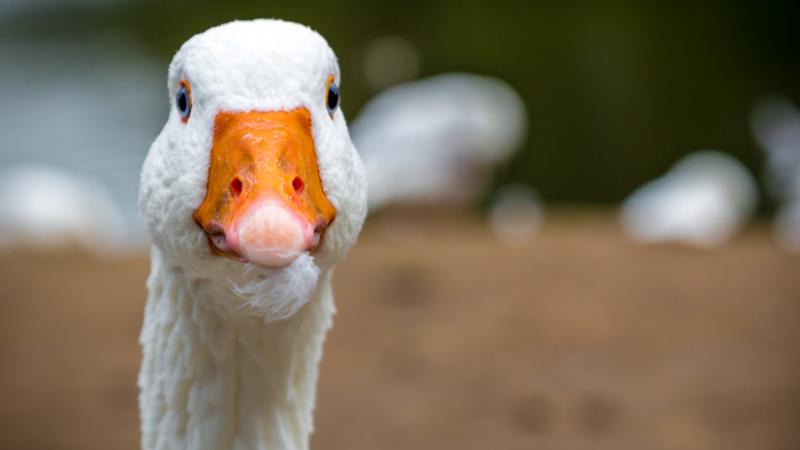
pixel 447 339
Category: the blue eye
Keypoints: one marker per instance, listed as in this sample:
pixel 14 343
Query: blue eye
pixel 332 96
pixel 183 101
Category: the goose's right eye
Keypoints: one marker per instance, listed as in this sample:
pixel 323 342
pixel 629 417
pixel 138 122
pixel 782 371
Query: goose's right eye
pixel 183 101
pixel 331 95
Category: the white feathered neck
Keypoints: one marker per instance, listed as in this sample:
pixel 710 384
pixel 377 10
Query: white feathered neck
pixel 217 378
pixel 231 349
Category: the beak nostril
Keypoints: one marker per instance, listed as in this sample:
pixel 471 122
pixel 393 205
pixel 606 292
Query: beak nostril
pixel 236 187
pixel 298 185
pixel 216 234
pixel 220 241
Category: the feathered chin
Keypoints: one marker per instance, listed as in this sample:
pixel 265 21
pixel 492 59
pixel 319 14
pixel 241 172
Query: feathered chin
pixel 276 293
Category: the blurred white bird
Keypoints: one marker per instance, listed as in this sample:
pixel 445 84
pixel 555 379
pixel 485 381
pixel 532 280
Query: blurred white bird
pixel 45 207
pixel 703 200
pixel 435 140
pixel 776 126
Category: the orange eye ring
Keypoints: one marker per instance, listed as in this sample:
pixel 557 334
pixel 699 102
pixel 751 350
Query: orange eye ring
pixel 331 95
pixel 183 101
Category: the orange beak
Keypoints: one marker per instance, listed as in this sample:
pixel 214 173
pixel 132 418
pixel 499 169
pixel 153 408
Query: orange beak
pixel 264 200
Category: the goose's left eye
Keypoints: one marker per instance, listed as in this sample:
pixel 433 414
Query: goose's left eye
pixel 332 96
pixel 183 101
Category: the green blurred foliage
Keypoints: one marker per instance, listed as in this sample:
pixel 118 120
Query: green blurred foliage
pixel 616 91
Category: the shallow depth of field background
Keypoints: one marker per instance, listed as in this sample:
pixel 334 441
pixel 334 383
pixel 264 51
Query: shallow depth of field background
pixel 447 336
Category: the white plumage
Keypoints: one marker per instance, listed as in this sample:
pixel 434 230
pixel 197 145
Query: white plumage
pixel 231 348
pixel 703 200
pixel 776 125
pixel 435 140
pixel 46 207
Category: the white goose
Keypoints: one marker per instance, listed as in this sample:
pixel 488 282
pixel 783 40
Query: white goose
pixel 251 194
pixel 776 125
pixel 703 201
pixel 436 140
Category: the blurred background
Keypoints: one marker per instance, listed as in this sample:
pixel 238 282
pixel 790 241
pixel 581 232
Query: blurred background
pixel 584 231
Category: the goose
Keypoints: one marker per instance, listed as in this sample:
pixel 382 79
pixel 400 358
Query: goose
pixel 43 206
pixel 702 201
pixel 435 140
pixel 251 194
pixel 776 126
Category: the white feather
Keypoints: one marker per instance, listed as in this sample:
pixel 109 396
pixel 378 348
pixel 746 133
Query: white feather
pixel 776 125
pixel 435 140
pixel 231 350
pixel 45 207
pixel 703 200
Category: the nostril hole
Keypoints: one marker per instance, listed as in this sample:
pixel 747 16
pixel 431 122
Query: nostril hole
pixel 298 185
pixel 219 240
pixel 236 187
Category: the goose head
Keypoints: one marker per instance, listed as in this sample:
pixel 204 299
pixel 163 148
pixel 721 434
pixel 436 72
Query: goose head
pixel 254 168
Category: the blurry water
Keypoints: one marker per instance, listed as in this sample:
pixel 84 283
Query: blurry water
pixel 88 107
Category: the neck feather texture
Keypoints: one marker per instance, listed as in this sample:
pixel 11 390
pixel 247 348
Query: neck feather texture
pixel 215 378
